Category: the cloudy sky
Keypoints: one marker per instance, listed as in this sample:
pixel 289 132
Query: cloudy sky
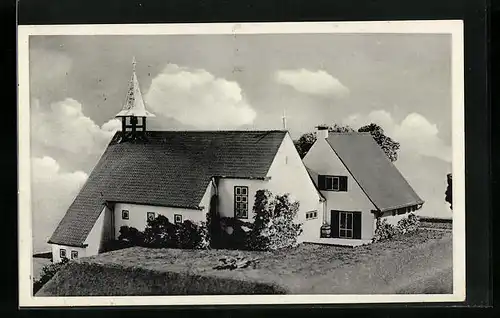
pixel 78 83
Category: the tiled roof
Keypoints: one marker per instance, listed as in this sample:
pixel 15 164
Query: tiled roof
pixel 170 168
pixel 382 182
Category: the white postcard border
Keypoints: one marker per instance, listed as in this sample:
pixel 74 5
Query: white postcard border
pixel 453 27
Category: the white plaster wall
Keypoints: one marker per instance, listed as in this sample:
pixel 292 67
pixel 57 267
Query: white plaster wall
pixel 322 160
pixel 138 215
pixel 289 175
pixel 207 197
pixel 56 248
pixel 226 195
pixel 100 233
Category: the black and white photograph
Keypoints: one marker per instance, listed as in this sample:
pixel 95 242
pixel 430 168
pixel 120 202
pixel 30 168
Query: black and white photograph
pixel 244 163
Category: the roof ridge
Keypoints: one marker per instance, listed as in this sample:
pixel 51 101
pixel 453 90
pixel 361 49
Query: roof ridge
pixel 349 133
pixel 222 130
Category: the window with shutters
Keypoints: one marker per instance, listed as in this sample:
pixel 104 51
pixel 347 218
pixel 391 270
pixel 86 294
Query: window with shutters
pixel 74 254
pixel 62 253
pixel 241 202
pixel 332 183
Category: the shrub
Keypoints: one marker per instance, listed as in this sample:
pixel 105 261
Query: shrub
pixel 160 233
pixel 204 233
pixel 48 271
pixel 190 236
pixel 383 230
pixel 274 224
pixel 408 224
pixel 405 225
pixel 131 235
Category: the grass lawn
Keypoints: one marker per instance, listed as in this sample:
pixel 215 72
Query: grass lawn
pixel 420 262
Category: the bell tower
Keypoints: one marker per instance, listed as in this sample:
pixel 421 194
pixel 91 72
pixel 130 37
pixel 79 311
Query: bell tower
pixel 133 113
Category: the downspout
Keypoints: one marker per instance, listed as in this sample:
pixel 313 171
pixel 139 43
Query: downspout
pixel 325 211
pixel 214 211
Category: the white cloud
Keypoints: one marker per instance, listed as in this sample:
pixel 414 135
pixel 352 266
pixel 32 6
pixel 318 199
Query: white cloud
pixel 312 82
pixel 422 136
pixel 52 193
pixel 197 98
pixel 66 131
pixel 415 133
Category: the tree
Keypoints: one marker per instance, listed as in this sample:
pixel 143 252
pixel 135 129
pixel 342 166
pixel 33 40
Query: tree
pixel 388 145
pixel 304 143
pixel 448 193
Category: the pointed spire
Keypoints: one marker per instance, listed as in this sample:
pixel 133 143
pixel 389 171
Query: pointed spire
pixel 134 105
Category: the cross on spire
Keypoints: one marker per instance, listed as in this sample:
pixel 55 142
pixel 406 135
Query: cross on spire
pixel 283 118
pixel 133 63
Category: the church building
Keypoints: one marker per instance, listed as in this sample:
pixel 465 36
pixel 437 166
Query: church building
pixel 344 183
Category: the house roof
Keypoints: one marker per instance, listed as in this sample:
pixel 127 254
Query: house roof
pixel 168 168
pixel 377 176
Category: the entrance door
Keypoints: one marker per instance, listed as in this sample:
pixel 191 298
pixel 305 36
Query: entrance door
pixel 346 224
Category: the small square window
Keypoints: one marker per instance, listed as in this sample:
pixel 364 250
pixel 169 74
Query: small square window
pixel 74 254
pixel 311 215
pixel 151 216
pixel 125 215
pixel 178 218
pixel 62 253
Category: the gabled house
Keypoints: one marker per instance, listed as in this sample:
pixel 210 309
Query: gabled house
pixel 145 173
pixel 359 184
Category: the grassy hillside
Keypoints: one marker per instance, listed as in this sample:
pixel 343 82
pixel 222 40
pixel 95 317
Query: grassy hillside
pixel 416 263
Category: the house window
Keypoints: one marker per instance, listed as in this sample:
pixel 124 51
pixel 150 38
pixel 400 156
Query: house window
pixel 125 215
pixel 177 218
pixel 241 202
pixel 151 216
pixel 74 254
pixel 311 215
pixel 332 183
pixel 62 253
pixel 346 225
